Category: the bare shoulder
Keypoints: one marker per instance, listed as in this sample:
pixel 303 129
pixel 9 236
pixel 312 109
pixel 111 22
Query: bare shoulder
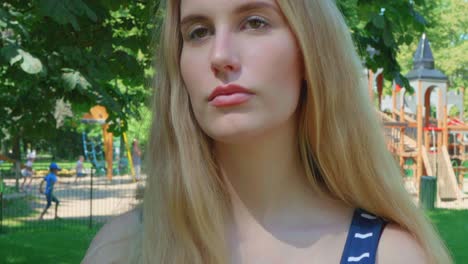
pixel 115 239
pixel 399 246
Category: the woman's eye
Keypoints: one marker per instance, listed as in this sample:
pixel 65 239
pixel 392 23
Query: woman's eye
pixel 255 23
pixel 198 33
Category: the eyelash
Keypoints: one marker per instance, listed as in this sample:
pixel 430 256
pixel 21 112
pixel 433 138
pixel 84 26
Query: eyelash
pixel 196 29
pixel 191 34
pixel 258 19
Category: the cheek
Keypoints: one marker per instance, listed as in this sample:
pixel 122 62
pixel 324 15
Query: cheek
pixel 284 72
pixel 277 59
pixel 193 70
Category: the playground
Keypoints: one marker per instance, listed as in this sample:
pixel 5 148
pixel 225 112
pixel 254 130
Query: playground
pixel 423 139
pixel 85 205
pixel 101 184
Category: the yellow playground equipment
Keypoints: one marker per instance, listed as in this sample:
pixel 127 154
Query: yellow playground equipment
pixel 98 115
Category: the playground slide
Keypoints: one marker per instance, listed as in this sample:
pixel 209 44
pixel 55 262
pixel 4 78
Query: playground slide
pixel 446 180
pixel 427 162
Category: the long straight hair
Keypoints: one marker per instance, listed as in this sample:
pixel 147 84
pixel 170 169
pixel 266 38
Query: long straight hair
pixel 340 141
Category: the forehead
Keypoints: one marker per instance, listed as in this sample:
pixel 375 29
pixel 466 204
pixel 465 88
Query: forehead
pixel 188 7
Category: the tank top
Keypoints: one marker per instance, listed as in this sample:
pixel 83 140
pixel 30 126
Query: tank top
pixel 363 238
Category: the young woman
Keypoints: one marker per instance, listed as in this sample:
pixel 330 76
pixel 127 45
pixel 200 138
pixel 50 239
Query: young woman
pixel 265 147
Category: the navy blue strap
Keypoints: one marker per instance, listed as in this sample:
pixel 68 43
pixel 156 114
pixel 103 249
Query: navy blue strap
pixel 363 238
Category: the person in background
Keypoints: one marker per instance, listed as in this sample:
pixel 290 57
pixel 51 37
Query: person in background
pixel 79 168
pixel 136 158
pixel 50 180
pixel 32 154
pixel 27 174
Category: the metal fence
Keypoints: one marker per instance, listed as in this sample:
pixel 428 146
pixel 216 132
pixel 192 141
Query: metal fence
pixel 89 200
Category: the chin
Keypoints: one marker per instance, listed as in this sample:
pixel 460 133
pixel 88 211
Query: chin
pixel 234 135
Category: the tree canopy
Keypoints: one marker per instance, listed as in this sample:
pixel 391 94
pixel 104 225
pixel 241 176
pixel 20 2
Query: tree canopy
pixel 448 36
pixel 83 52
pixel 380 28
pixel 80 52
pixel 60 54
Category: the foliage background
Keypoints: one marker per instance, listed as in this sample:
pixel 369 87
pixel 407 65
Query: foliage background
pixel 58 58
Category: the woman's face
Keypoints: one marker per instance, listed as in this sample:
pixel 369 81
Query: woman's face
pixel 241 66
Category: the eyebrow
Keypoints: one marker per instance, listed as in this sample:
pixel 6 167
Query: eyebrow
pixel 240 9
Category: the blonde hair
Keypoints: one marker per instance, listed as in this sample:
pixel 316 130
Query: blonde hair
pixel 341 146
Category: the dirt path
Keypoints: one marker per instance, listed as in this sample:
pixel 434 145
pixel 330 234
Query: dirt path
pixel 108 198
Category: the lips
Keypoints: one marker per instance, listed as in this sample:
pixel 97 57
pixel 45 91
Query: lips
pixel 228 90
pixel 229 95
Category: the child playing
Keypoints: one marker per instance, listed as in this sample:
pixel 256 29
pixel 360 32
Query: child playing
pixel 50 180
pixel 79 168
pixel 27 173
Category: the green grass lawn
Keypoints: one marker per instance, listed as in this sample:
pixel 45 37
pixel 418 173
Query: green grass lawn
pixel 453 227
pixel 67 243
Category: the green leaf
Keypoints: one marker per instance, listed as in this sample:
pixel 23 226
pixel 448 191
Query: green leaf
pixel 388 37
pixel 11 53
pixel 66 11
pixel 58 11
pixel 408 39
pixel 113 4
pixel 378 21
pixel 70 78
pixel 4 18
pixel 419 18
pixel 74 79
pixel 89 13
pixel 30 64
pixel 402 82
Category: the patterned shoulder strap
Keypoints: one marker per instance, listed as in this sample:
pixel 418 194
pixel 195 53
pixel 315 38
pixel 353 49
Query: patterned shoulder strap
pixel 363 238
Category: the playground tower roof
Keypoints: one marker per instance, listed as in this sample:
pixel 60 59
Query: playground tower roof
pixel 423 63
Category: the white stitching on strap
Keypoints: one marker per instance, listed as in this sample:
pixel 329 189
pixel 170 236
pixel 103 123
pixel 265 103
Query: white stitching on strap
pixel 368 216
pixel 363 236
pixel 357 259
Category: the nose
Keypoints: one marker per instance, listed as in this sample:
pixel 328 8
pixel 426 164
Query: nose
pixel 224 56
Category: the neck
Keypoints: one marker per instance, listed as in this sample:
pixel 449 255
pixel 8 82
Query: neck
pixel 265 175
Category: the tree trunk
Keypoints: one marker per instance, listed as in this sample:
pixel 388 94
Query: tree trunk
pixel 3 148
pixel 17 158
pixel 25 147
